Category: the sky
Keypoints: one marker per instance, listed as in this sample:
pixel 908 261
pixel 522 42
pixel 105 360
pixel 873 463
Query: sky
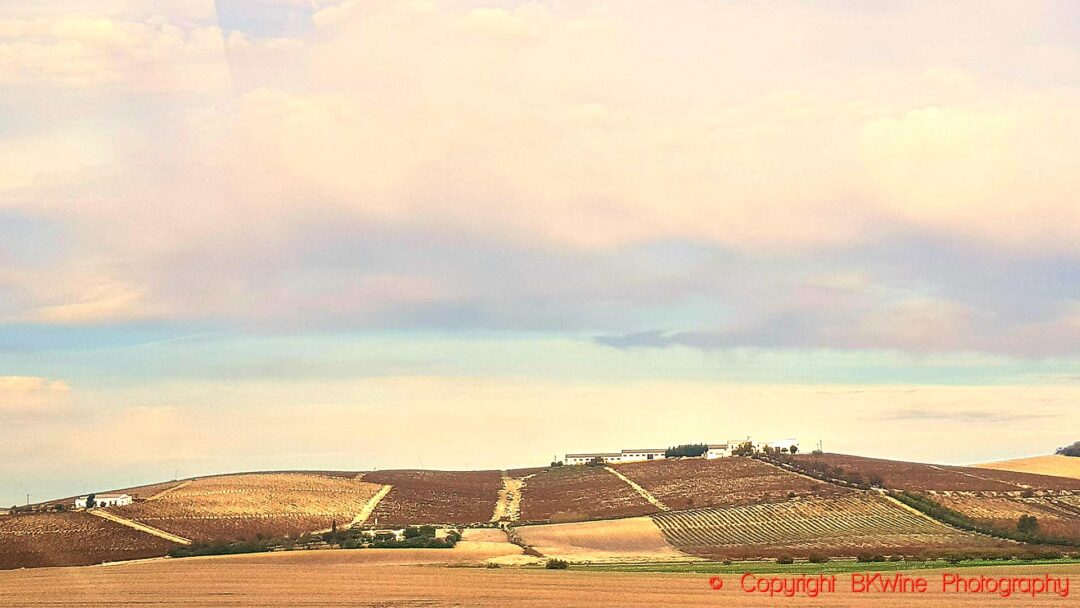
pixel 357 234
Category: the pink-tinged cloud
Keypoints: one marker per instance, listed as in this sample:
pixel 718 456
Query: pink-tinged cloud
pixel 21 395
pixel 516 166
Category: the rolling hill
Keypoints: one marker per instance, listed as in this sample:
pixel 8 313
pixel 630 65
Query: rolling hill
pixel 1055 465
pixel 674 509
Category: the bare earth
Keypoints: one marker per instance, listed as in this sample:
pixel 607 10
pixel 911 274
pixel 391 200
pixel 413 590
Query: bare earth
pixel 1061 466
pixel 337 578
pixel 615 540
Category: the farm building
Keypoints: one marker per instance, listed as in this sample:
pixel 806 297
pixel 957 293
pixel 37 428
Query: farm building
pixel 714 450
pixel 613 457
pixel 104 500
pixel 720 450
pixel 636 455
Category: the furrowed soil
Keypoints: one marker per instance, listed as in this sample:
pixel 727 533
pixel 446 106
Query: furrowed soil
pixel 615 540
pixel 312 579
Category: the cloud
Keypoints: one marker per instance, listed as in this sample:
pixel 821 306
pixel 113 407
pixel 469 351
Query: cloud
pixel 715 176
pixel 978 416
pixel 26 395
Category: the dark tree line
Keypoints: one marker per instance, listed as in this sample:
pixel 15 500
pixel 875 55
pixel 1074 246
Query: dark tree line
pixel 689 450
pixel 1071 450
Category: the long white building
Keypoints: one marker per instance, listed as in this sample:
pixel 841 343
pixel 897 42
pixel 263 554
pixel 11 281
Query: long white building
pixel 714 450
pixel 637 455
pixel 104 500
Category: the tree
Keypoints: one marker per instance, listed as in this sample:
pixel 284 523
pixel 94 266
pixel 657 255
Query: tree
pixel 1072 450
pixel 690 450
pixel 1027 525
pixel 744 449
pixel 794 449
pixel 91 501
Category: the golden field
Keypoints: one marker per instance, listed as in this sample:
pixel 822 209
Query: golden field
pixel 359 578
pixel 1060 466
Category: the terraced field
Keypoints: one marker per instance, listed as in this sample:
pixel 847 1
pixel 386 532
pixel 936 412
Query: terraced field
pixel 837 526
pixel 929 477
pixel 436 497
pixel 722 482
pixel 578 493
pixel 244 506
pixel 70 539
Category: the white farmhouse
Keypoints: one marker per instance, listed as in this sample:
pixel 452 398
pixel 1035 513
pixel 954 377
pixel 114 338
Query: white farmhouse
pixel 104 500
pixel 585 458
pixel 643 454
pixel 636 455
pixel 719 450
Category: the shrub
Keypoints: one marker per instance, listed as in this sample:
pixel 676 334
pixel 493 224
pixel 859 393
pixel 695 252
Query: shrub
pixel 896 558
pixel 418 531
pixel 818 558
pixel 1027 525
pixel 785 559
pixel 557 564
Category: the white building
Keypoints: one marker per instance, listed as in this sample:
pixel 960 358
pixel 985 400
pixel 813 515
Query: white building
pixel 104 500
pixel 637 455
pixel 719 450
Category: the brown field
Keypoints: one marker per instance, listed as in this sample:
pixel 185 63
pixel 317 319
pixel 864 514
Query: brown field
pixel 576 493
pixel 336 579
pixel 694 482
pixel 1057 515
pixel 930 477
pixel 1058 466
pixel 836 526
pixel 70 539
pixel 243 506
pixel 612 540
pixel 436 497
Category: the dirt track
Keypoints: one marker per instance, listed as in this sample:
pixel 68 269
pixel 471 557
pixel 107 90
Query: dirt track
pixel 334 578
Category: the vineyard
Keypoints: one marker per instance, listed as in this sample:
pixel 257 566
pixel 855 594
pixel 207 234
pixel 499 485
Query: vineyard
pixel 579 493
pixel 70 539
pixel 840 526
pixel 245 506
pixel 916 476
pixel 436 497
pixel 1058 516
pixel 721 482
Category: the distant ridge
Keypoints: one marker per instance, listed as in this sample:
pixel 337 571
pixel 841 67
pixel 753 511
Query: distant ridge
pixel 1060 466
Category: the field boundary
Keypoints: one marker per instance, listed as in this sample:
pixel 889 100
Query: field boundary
pixel 123 521
pixel 369 507
pixel 1018 486
pixel 654 501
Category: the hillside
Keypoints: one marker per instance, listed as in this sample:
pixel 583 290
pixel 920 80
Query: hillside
pixel 668 509
pixel 1056 465
pixel 233 507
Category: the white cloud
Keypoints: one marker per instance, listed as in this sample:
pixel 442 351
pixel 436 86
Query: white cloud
pixel 32 395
